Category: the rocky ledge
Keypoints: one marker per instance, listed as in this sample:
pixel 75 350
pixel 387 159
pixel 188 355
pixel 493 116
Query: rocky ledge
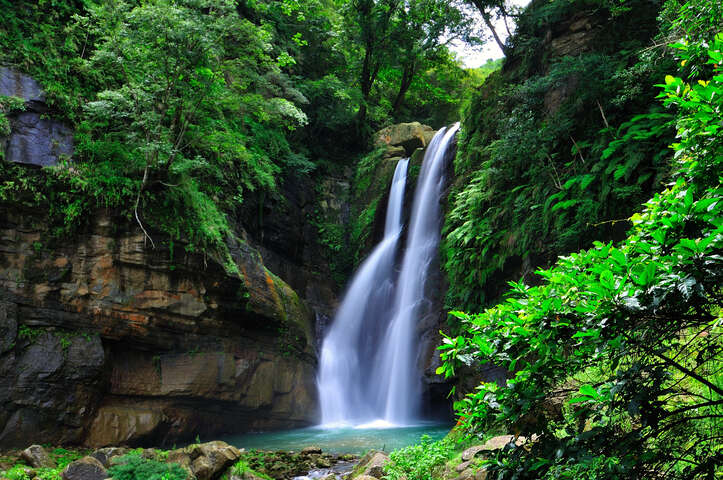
pixel 198 461
pixel 105 341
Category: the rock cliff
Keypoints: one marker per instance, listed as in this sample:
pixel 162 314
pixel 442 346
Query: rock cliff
pixel 107 341
pixel 35 138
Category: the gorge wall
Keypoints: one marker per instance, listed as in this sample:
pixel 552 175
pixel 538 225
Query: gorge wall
pixel 108 341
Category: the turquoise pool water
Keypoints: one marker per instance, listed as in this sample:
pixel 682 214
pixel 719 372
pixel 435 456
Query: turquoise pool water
pixel 355 440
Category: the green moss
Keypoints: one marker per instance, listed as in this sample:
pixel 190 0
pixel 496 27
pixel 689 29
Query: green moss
pixel 366 168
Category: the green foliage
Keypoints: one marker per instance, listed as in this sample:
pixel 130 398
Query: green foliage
pixel 134 467
pixel 18 472
pixel 184 108
pixel 28 333
pixel 480 74
pixel 60 456
pixel 8 105
pixel 242 467
pixel 362 225
pixel 435 94
pixel 173 121
pixel 188 112
pixel 39 38
pixel 537 173
pixel 64 457
pixel 396 44
pixel 423 461
pixel 643 314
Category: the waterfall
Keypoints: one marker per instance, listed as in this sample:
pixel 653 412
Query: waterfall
pixel 368 369
pixel 345 360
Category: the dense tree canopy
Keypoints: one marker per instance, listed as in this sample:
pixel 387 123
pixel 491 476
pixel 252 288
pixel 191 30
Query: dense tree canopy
pixel 191 105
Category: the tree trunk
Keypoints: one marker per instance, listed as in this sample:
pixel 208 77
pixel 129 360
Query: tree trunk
pixel 407 77
pixel 488 21
pixel 366 83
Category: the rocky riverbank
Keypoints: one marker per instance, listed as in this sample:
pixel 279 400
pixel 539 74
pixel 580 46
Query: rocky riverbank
pixel 198 461
pixel 452 458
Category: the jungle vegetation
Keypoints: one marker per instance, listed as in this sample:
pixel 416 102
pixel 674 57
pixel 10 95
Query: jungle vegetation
pixel 613 349
pixel 183 108
pixel 607 321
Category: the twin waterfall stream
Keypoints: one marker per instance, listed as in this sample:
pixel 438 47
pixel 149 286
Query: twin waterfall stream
pixel 369 374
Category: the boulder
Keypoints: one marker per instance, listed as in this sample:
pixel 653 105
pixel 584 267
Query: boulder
pixel 471 452
pixel 311 450
pixel 467 474
pixel 87 468
pixel 104 455
pixel 182 457
pixel 371 464
pixel 179 456
pixel 408 135
pixel 499 442
pixel 494 443
pixel 394 151
pixel 212 459
pixel 202 468
pixel 37 457
pixel 247 475
pixel 463 466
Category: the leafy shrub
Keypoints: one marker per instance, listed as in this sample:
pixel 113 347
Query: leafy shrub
pixel 170 134
pixel 17 473
pixel 8 105
pixel 242 467
pixel 134 467
pixel 419 462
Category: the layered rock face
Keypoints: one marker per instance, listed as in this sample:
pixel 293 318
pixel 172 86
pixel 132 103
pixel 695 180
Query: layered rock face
pixel 107 341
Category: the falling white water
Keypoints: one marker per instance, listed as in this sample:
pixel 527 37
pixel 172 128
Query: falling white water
pixel 398 376
pixel 345 353
pixel 368 370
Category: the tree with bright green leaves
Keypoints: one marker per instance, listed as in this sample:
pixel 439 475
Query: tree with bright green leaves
pixel 422 32
pixel 370 24
pixel 408 37
pixel 193 107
